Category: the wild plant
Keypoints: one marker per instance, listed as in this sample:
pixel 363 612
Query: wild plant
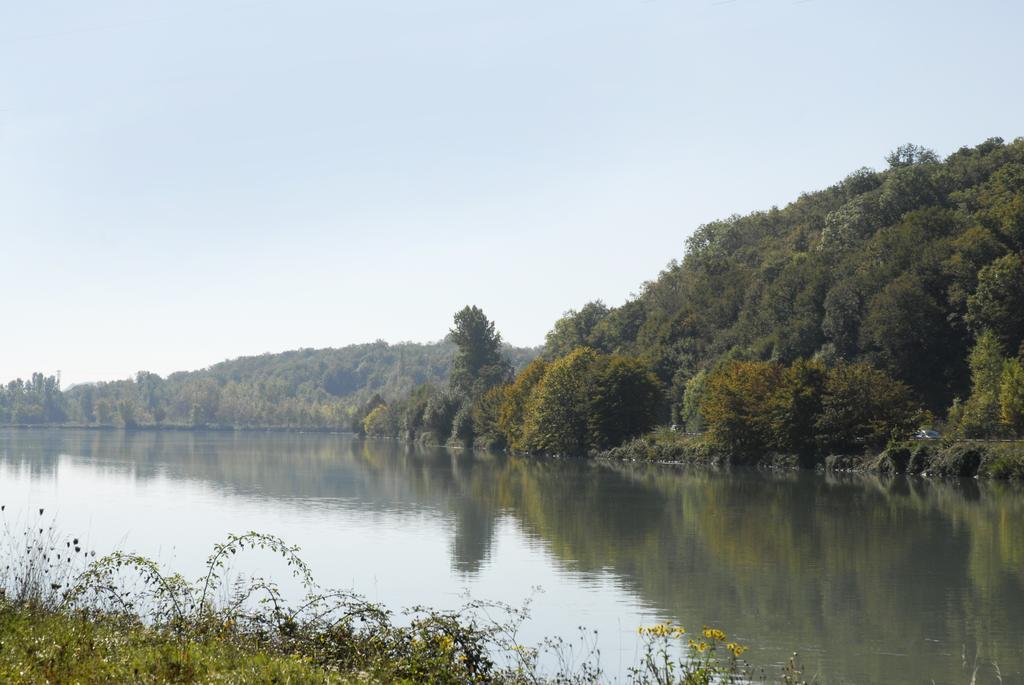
pixel 709 657
pixel 39 563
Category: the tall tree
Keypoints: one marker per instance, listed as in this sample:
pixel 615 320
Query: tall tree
pixel 478 364
pixel 981 415
pixel 998 302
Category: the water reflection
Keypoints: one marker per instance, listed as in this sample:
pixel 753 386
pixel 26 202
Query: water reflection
pixel 872 580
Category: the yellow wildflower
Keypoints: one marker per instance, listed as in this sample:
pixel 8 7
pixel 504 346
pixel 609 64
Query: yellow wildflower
pixel 714 634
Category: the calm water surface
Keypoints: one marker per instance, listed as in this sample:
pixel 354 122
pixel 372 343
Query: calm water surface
pixel 872 581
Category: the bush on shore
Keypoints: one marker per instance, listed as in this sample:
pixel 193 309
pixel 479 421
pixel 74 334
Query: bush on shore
pixel 961 459
pixel 67 617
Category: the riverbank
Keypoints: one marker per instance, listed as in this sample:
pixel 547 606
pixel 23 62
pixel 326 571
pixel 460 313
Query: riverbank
pixel 44 645
pixel 944 459
pixel 121 618
pixel 180 428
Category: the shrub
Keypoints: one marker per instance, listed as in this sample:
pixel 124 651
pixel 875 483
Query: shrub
pixel 921 459
pixel 462 425
pixel 959 462
pixel 894 460
pixel 1007 467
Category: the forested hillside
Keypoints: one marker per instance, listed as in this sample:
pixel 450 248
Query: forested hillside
pixel 310 388
pixel 845 318
pixel 901 269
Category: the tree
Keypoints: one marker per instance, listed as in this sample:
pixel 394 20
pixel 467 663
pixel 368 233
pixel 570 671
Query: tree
pixel 980 417
pixel 126 414
pixel 104 413
pixel 149 387
pixel 1002 203
pixel 487 410
pixel 908 329
pixel 462 425
pixel 381 421
pixel 736 406
pixel 575 329
pixel 863 407
pixel 557 419
pixel 842 318
pixel 689 412
pixel 910 154
pixel 478 364
pixel 998 302
pixel 1011 397
pixel 795 405
pixel 358 425
pixel 514 405
pixel 439 414
pixel 86 405
pixel 626 398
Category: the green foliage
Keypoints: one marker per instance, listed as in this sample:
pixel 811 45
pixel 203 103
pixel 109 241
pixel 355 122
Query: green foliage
pixel 462 425
pixel 478 364
pixel 995 407
pixel 795 405
pixel 1007 465
pixel 512 417
pixel 37 400
pixel 381 422
pixel 689 414
pixel 558 412
pixel 921 459
pixel 876 269
pixel 326 389
pixel 980 417
pixel 576 329
pixel 958 462
pixel 736 404
pixel 90 648
pixel 998 302
pixel 583 401
pixel 1011 397
pixel 704 659
pixel 804 408
pixel 895 460
pixel 486 416
pixel 123 618
pixel 862 406
pixel 439 414
pixel 910 154
pixel 625 400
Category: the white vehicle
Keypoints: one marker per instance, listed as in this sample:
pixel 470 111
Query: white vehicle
pixel 927 434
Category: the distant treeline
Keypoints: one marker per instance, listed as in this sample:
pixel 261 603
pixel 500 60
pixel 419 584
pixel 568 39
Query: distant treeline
pixel 299 389
pixel 889 300
pixel 840 322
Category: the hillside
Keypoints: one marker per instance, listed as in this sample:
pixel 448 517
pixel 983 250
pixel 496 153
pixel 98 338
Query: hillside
pixel 307 387
pixel 900 268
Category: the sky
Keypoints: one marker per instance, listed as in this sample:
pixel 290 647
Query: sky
pixel 185 181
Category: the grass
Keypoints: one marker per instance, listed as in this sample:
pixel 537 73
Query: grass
pixel 46 646
pixel 67 616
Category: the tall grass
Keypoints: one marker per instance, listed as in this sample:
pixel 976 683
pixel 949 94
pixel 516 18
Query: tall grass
pixel 60 601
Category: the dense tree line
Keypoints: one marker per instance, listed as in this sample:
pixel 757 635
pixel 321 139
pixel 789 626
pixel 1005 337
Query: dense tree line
pixel 302 388
pixel 902 270
pixel 995 406
pixel 582 401
pixel 805 408
pixel 897 294
pixel 37 400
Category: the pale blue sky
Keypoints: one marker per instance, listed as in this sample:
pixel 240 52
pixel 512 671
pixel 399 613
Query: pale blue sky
pixel 186 181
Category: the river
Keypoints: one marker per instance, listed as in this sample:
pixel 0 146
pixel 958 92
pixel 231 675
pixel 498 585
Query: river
pixel 871 581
